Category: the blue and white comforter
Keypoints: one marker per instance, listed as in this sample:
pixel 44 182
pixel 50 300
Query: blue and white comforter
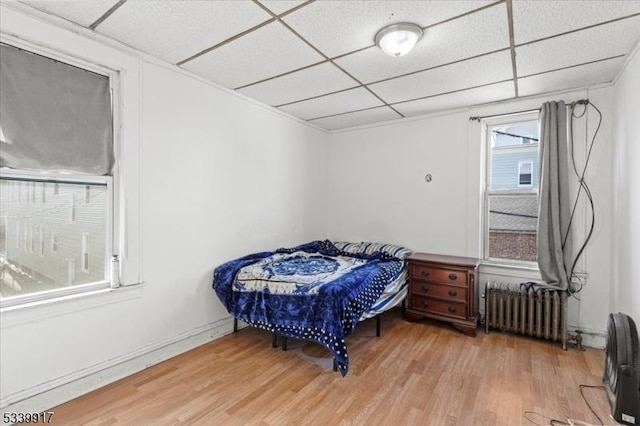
pixel 313 291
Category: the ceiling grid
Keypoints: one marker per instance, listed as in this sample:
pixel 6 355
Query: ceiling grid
pixel 512 47
pixel 316 59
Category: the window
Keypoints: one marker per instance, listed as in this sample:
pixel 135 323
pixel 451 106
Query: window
pixel 511 189
pixel 525 173
pixel 71 271
pixel 17 233
pixel 41 241
pixel 32 231
pixel 89 234
pixel 75 166
pixel 85 252
pixel 73 207
pixel 54 243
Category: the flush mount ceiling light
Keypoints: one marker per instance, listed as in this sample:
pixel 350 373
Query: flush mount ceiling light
pixel 398 39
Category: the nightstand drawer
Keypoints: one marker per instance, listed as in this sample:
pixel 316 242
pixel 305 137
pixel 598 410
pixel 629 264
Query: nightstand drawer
pixel 439 291
pixel 426 304
pixel 426 272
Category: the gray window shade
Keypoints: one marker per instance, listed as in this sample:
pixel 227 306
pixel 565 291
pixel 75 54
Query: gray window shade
pixel 53 116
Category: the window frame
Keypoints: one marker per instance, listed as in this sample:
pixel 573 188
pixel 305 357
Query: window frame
pixel 125 77
pixel 114 207
pixel 487 124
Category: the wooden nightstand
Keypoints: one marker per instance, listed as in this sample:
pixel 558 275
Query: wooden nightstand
pixel 444 288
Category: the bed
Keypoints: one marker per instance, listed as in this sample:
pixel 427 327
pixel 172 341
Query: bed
pixel 317 291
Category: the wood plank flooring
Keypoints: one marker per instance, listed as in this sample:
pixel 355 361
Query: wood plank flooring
pixel 424 373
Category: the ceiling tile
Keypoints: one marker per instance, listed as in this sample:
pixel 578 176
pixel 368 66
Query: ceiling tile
pixel 570 78
pixel 337 103
pixel 461 75
pixel 468 36
pixel 338 27
pixel 533 20
pixel 358 118
pixel 175 30
pixel 314 81
pixel 281 6
pixel 580 47
pixel 451 67
pixel 479 95
pixel 263 53
pixel 81 12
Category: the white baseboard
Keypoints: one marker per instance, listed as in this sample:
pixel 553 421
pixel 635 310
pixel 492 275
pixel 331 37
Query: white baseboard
pixel 52 393
pixel 590 337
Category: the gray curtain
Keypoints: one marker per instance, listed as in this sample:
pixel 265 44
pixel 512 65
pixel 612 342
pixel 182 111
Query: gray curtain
pixel 555 252
pixel 53 116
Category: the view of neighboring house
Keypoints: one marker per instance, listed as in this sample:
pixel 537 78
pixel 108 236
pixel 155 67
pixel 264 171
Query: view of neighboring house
pixel 513 199
pixel 54 235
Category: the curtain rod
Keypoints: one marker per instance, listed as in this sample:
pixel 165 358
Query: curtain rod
pixel 572 105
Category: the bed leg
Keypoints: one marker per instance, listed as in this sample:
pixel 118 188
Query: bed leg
pixel 235 325
pixel 274 341
pixel 284 343
pixel 404 306
pixel 378 325
pixel 335 365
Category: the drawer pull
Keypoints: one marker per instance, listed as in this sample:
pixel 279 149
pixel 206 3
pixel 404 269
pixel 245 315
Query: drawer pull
pixel 452 309
pixel 453 277
pixel 425 304
pixel 424 273
pixel 424 288
pixel 453 293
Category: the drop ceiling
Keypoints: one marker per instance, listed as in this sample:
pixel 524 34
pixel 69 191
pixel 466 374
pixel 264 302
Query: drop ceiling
pixel 316 60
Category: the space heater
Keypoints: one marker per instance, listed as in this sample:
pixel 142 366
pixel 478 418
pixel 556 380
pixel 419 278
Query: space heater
pixel 621 375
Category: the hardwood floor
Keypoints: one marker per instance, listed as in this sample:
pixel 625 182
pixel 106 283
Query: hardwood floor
pixel 424 373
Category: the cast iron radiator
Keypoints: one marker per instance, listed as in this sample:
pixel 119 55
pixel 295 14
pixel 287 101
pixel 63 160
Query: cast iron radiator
pixel 526 310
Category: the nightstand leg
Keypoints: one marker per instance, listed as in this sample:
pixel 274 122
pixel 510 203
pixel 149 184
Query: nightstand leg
pixel 468 330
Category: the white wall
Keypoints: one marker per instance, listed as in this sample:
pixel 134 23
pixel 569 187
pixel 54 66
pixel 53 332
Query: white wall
pixel 625 278
pixel 377 192
pixel 219 176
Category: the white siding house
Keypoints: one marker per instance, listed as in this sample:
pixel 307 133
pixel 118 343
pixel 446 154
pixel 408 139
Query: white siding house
pixel 55 233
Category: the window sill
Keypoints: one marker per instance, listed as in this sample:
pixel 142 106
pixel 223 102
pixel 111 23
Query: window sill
pixel 510 270
pixel 34 311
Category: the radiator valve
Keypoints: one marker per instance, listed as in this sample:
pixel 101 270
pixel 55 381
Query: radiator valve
pixel 577 339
